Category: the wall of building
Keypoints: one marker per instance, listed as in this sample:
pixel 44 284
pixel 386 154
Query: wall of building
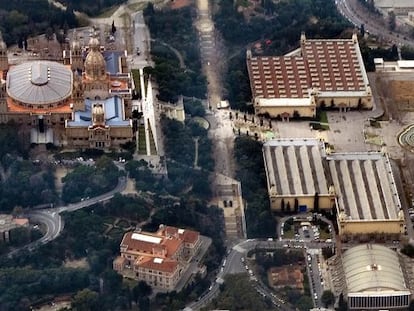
pixel 79 136
pixel 277 111
pixel 378 302
pixel 158 279
pixel 371 227
pixel 364 102
pixel 325 202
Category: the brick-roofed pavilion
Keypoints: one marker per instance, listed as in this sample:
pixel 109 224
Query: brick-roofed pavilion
pixel 322 72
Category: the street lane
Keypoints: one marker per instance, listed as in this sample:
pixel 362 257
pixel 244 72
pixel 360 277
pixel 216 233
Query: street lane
pixel 52 221
pixel 372 25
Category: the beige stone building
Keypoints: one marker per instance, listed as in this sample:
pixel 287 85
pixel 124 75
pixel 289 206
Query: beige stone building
pixel 8 223
pixel 83 101
pixel 371 277
pixel 321 73
pixel 359 185
pixel 295 175
pixel 368 203
pixel 158 258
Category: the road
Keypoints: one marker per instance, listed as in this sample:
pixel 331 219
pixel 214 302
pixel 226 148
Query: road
pixel 233 264
pixel 141 56
pixel 373 24
pixel 50 218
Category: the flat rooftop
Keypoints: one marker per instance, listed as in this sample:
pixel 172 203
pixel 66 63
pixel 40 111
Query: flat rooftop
pixel 294 166
pixel 365 186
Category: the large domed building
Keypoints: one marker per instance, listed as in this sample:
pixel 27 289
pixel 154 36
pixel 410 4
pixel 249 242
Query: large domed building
pixel 84 101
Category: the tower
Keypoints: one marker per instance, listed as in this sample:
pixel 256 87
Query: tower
pixel 354 37
pixel 99 133
pixel 3 101
pixel 95 65
pixel 95 78
pixel 77 94
pixel 4 61
pixel 302 41
pixel 76 59
pixel 98 115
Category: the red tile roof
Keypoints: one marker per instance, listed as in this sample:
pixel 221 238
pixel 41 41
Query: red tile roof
pixel 168 246
pixel 334 65
pixel 16 108
pixel 138 245
pixel 164 265
pixel 274 77
pixel 186 235
pixel 329 65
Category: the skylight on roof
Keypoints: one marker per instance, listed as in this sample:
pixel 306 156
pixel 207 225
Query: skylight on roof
pixel 146 238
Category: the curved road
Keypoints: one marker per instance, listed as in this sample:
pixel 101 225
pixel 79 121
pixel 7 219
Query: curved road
pixel 52 220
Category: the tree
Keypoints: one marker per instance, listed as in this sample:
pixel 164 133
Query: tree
pixel 342 304
pixel 316 203
pixel 85 300
pixel 144 288
pixel 112 281
pixel 328 298
pixel 144 304
pixel 296 205
pixel 141 290
pixel 49 34
pixel 113 28
pixel 391 20
pixel 362 30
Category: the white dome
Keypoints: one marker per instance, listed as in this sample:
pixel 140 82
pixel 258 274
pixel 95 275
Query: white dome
pixel 39 82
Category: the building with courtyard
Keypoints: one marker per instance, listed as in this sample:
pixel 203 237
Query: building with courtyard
pixel 321 73
pixel 83 101
pixel 158 258
pixel 304 176
pixel 371 278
